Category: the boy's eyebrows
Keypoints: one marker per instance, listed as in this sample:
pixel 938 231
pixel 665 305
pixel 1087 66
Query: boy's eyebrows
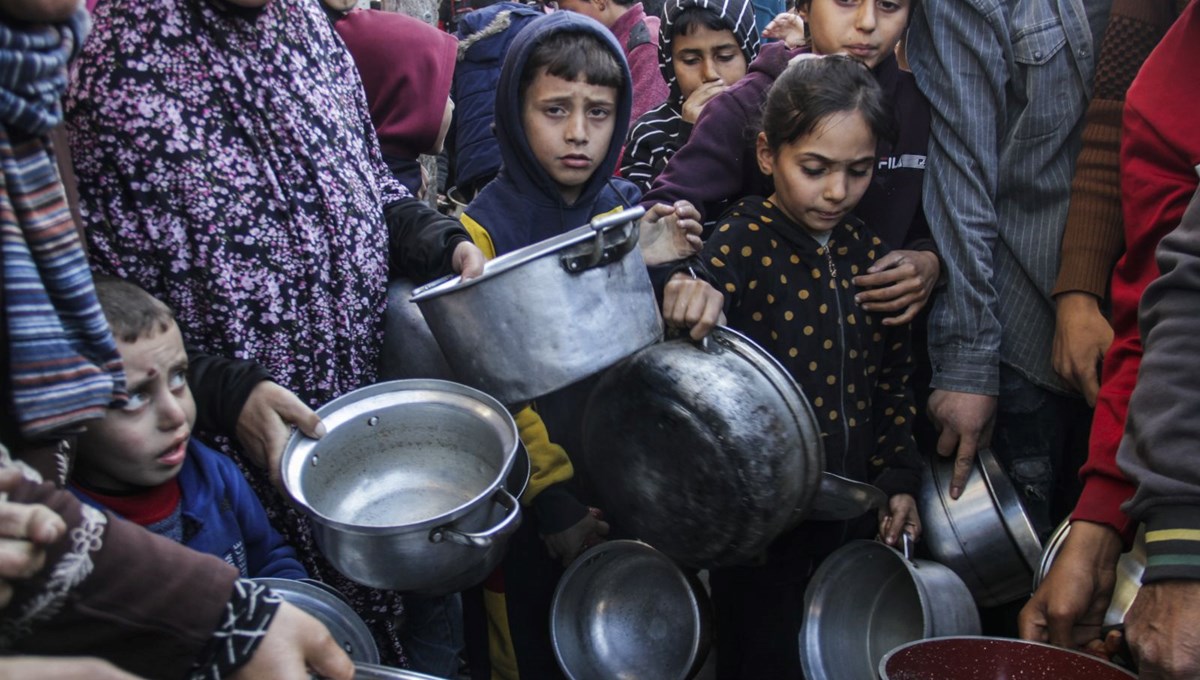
pixel 569 98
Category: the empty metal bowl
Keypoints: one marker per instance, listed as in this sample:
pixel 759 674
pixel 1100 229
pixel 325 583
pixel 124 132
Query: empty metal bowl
pixel 625 610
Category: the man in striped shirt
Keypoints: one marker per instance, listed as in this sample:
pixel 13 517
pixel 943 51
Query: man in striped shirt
pixel 1008 82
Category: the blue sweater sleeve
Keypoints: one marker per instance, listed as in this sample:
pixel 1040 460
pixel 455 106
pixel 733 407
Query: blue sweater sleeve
pixel 267 554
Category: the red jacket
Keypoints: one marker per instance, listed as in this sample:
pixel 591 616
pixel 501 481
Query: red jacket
pixel 1160 158
pixel 638 35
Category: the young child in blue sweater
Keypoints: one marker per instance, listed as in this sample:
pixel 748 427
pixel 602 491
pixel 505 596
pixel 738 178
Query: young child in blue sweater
pixel 141 463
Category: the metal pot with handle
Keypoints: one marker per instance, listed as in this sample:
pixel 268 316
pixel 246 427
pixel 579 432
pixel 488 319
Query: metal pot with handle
pixel 547 315
pixel 407 489
pixel 868 598
pixel 709 451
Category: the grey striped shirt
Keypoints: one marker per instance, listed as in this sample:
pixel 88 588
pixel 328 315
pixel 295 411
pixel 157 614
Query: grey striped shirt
pixel 1008 82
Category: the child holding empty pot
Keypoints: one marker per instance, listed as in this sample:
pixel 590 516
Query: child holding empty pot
pixel 786 265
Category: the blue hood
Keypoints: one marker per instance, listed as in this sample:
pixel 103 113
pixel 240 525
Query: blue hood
pixel 523 204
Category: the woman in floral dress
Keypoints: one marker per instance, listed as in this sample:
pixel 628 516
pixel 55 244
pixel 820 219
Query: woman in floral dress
pixel 227 164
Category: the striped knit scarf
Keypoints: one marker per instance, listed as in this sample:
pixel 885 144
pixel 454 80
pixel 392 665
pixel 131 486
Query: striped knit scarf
pixel 63 361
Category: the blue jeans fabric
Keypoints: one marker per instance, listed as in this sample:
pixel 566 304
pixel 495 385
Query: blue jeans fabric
pixel 432 634
pixel 1040 438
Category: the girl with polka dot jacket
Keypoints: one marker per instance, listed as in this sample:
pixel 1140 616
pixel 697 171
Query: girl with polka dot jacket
pixel 785 264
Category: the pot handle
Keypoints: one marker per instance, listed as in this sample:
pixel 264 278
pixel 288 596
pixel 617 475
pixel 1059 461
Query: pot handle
pixel 600 253
pixel 483 539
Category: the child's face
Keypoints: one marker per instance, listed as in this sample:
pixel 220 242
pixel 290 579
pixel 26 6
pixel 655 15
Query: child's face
pixel 865 29
pixel 703 56
pixel 144 442
pixel 820 177
pixel 569 124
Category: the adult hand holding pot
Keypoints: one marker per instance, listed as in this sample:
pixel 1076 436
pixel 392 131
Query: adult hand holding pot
pixel 1069 606
pixel 964 422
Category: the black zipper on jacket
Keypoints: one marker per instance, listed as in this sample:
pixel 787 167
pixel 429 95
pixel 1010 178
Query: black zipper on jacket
pixel 837 294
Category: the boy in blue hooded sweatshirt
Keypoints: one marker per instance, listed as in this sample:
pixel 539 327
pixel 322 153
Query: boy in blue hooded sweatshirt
pixel 562 109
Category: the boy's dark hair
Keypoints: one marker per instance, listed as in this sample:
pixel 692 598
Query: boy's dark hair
pixel 131 312
pixel 695 16
pixel 570 55
pixel 811 89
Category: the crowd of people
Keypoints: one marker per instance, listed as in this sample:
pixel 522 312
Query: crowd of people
pixel 957 224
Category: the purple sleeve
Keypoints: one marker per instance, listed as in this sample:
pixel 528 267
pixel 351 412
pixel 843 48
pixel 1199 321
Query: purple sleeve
pixel 710 169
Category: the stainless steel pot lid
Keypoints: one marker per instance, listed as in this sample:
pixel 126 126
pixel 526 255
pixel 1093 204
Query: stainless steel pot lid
pixel 327 606
pixel 604 235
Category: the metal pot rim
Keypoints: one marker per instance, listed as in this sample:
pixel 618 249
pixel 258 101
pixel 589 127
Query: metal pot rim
pixel 507 262
pixel 1020 529
pixel 315 599
pixel 300 447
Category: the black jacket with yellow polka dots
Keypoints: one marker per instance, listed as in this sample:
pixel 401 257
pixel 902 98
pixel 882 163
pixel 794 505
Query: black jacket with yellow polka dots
pixel 795 298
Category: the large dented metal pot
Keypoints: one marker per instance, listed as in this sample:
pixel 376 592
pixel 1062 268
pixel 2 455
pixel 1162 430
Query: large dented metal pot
pixel 548 315
pixel 708 452
pixel 407 490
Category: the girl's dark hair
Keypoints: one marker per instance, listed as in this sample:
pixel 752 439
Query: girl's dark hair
pixel 692 17
pixel 811 89
pixel 571 54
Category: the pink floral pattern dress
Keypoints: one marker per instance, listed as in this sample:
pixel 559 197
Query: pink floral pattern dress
pixel 227 164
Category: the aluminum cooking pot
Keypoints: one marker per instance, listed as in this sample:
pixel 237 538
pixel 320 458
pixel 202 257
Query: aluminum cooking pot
pixel 624 610
pixel 548 315
pixel 984 536
pixel 704 451
pixel 329 607
pixel 985 658
pixel 409 348
pixel 867 598
pixel 406 490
